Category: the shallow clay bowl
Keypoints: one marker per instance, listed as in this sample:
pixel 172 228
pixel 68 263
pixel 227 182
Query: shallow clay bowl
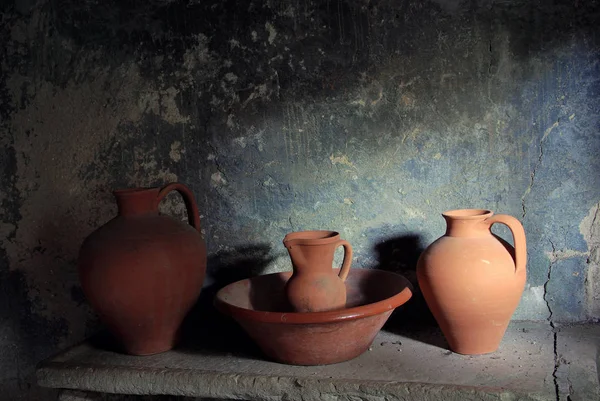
pixel 259 305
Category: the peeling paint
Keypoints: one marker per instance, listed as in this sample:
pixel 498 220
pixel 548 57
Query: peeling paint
pixel 217 178
pixel 533 299
pixel 272 32
pixel 176 151
pixel 231 77
pixel 590 229
pixel 342 159
pixel 163 104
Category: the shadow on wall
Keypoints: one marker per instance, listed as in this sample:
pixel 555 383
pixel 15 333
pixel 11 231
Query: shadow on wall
pixel 30 336
pixel 208 331
pixel 42 306
pixel 205 328
pixel 413 319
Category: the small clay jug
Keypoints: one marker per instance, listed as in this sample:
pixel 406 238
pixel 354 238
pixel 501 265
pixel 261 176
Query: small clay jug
pixel 142 272
pixel 314 286
pixel 472 280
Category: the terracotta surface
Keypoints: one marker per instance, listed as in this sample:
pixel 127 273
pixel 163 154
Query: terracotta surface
pixel 142 272
pixel 260 306
pixel 472 280
pixel 314 287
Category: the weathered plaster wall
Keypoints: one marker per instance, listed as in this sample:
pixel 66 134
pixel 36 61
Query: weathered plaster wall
pixel 369 117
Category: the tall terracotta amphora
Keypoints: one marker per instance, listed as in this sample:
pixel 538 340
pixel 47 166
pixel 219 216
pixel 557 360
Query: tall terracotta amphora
pixel 472 280
pixel 142 272
pixel 314 286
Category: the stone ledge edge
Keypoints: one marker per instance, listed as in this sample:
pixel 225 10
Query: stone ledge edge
pixel 211 384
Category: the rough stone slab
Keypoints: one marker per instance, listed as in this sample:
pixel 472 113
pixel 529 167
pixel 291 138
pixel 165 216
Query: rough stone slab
pixel 578 354
pixel 74 395
pixel 398 367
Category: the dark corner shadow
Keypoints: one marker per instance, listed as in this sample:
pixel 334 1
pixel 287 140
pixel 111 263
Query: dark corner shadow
pixel 598 361
pixel 413 319
pixel 105 341
pixel 206 330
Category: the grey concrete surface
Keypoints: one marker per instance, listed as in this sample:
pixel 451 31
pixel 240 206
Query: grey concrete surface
pixel 410 365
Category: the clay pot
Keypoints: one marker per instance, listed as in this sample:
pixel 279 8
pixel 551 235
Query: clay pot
pixel 259 305
pixel 472 280
pixel 142 272
pixel 314 287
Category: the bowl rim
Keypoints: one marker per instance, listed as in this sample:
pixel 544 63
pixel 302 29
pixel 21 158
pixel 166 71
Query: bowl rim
pixel 357 312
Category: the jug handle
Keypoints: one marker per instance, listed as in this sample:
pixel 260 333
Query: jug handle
pixel 188 198
pixel 516 228
pixel 345 269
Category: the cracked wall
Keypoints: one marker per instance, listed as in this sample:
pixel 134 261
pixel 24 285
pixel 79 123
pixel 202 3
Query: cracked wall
pixel 366 117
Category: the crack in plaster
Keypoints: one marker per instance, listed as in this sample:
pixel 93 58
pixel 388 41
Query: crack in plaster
pixel 536 166
pixel 222 177
pixel 556 362
pixel 590 231
pixel 594 221
pixel 552 326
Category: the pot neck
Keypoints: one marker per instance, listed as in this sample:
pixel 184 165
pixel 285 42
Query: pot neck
pixel 467 222
pixel 314 237
pixel 137 201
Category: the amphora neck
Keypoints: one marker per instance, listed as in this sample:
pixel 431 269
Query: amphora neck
pixel 137 201
pixel 467 222
pixel 314 237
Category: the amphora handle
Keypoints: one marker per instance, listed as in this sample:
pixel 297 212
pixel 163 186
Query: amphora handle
pixel 188 198
pixel 347 258
pixel 516 228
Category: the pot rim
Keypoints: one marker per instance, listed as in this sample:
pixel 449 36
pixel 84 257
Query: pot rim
pixel 468 214
pixel 128 191
pixel 312 237
pixel 335 316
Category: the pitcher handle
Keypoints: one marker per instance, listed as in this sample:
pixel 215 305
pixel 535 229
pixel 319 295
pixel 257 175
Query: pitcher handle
pixel 516 228
pixel 347 259
pixel 188 199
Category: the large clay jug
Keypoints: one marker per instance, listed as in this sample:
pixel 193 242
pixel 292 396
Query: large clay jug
pixel 142 272
pixel 314 286
pixel 472 280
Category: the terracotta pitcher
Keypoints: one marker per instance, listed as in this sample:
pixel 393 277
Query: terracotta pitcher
pixel 472 280
pixel 142 272
pixel 314 286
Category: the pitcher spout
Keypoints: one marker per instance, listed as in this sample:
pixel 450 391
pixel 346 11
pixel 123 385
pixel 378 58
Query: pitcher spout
pixel 301 246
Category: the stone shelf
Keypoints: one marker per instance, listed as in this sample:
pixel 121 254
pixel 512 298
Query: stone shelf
pixel 399 366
